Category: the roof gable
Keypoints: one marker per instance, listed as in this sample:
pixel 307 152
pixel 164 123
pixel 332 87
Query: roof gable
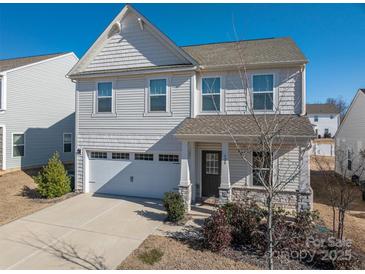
pixel 131 41
pixel 14 63
pixel 355 106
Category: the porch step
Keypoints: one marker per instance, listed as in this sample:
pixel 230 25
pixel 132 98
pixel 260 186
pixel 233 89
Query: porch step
pixel 212 201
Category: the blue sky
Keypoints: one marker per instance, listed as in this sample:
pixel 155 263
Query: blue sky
pixel 332 36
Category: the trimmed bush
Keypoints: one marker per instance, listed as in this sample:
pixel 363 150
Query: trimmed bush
pixel 53 180
pixel 244 219
pixel 216 231
pixel 174 205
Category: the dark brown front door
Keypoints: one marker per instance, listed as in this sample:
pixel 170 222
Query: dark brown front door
pixel 211 173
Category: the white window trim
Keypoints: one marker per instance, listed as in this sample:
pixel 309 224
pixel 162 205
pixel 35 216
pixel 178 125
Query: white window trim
pixel 95 107
pixel 221 94
pixel 3 94
pixel 4 147
pixel 147 111
pixel 63 142
pixel 12 144
pixel 275 104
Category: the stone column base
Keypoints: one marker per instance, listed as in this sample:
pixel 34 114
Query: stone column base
pixel 305 200
pixel 185 192
pixel 225 195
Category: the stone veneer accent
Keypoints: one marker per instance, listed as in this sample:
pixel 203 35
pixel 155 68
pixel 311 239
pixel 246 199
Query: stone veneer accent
pixel 291 200
pixel 225 195
pixel 185 192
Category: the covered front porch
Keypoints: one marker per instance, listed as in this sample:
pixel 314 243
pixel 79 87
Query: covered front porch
pixel 212 164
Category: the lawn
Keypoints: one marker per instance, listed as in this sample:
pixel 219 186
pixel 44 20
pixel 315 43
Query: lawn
pixel 18 197
pixel 178 255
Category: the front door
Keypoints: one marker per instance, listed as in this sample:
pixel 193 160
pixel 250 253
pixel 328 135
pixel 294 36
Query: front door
pixel 211 173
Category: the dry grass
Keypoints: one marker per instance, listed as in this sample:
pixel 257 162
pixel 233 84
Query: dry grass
pixel 177 255
pixel 355 218
pixel 18 197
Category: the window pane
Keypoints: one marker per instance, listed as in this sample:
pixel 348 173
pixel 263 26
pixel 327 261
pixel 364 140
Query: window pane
pixel 158 103
pixel 67 147
pixel 263 82
pixel 105 89
pixel 18 151
pixel 105 105
pixel 211 85
pixel 211 102
pixel 158 86
pixel 18 139
pixel 262 101
pixel 67 138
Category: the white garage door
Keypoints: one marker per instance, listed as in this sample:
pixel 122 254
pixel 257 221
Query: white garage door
pixel 140 175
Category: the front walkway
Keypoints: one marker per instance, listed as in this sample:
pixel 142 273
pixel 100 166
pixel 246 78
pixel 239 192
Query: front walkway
pixel 83 232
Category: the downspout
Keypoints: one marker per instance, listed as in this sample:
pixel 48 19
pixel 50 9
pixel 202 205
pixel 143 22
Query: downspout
pixel 304 92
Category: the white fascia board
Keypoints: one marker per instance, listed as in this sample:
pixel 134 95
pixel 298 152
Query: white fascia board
pixel 3 94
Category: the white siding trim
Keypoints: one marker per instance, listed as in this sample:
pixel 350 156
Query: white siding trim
pixel 3 92
pixel 4 147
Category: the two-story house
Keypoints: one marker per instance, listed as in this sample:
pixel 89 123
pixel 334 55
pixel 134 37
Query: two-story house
pixel 36 110
pixel 325 119
pixel 148 114
pixel 350 139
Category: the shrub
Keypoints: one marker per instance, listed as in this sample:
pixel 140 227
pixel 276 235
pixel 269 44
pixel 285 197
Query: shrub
pixel 174 205
pixel 216 231
pixel 244 219
pixel 151 256
pixel 53 180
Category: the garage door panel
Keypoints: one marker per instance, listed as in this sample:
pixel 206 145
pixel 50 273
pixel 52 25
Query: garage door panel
pixel 149 179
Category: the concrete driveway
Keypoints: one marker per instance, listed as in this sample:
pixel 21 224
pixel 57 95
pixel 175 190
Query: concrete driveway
pixel 83 232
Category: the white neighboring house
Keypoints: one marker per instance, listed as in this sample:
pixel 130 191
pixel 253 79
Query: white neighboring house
pixel 325 119
pixel 36 110
pixel 146 121
pixel 350 137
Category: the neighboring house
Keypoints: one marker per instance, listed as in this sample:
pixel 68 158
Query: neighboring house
pixel 36 110
pixel 325 119
pixel 146 121
pixel 350 139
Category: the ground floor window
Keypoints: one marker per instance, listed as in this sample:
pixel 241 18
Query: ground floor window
pixel 18 144
pixel 260 167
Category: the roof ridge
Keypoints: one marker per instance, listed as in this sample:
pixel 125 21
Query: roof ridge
pixel 238 41
pixel 39 55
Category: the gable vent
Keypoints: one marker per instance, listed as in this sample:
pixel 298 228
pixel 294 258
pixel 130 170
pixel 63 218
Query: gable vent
pixel 115 29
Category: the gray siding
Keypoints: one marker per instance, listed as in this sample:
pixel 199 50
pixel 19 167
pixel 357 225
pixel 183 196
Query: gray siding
pixel 288 88
pixel 40 104
pixel 133 48
pixel 130 129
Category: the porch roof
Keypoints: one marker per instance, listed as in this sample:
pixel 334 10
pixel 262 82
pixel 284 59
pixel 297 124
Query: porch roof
pixel 245 125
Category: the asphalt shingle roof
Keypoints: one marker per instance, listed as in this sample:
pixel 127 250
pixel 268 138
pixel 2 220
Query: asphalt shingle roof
pixel 322 109
pixel 245 125
pixel 249 52
pixel 8 64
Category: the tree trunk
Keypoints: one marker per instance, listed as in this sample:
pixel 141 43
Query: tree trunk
pixel 341 223
pixel 333 221
pixel 270 231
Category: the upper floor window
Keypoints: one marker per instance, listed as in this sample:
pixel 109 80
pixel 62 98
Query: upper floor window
pixel 316 118
pixel 211 94
pixel 263 92
pixel 67 142
pixel 105 97
pixel 18 144
pixel 157 95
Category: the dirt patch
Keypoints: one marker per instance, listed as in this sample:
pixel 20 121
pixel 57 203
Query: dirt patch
pixel 18 197
pixel 178 255
pixel 355 218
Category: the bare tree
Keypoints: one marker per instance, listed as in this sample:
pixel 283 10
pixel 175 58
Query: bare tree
pixel 340 104
pixel 264 150
pixel 342 187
